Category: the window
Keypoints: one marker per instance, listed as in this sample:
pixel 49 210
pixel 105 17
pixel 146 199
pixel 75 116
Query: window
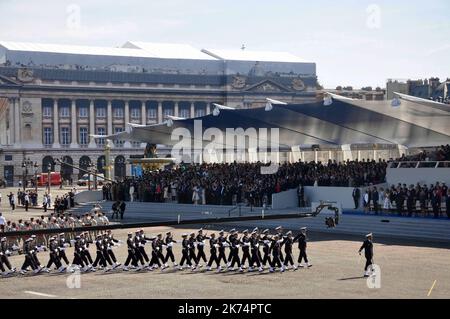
pixel 199 112
pixel 101 111
pixel 118 112
pixel 8 158
pixel 151 113
pixel 101 131
pixel 47 111
pixel 117 142
pixel 135 113
pixel 64 111
pixel 82 111
pixel 65 136
pixel 167 112
pixel 184 112
pixel 83 135
pixel 48 136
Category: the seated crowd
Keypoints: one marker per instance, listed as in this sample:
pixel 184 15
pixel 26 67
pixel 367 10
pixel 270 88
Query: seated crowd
pixel 228 184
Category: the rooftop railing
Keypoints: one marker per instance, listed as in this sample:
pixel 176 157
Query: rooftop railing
pixel 419 164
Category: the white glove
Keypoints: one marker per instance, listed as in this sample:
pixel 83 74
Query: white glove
pixel 216 245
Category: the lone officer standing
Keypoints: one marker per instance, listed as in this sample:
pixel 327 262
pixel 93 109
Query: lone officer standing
pixel 302 239
pixel 368 253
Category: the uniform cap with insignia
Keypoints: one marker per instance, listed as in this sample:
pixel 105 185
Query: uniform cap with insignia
pixel 245 231
pixel 232 230
pixel 265 231
pixel 33 236
pixel 61 234
pixel 303 228
pixel 255 229
pixel 3 239
pixel 168 233
pixel 52 238
pixel 77 237
pixel 29 239
pixel 278 228
pixel 130 234
pixel 289 233
pixel 369 235
pixel 221 232
pixel 184 235
pixel 201 229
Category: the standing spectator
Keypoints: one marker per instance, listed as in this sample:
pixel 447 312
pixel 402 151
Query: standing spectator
pixel 366 201
pixel 375 199
pixel 2 223
pixel 12 201
pixel 356 194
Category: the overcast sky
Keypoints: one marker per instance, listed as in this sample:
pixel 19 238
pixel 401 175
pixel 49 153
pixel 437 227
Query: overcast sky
pixel 353 42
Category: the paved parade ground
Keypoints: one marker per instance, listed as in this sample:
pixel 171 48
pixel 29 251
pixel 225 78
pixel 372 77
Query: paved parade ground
pixel 410 267
pixel 336 273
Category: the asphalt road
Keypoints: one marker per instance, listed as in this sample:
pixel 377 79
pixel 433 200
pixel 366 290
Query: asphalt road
pixel 406 272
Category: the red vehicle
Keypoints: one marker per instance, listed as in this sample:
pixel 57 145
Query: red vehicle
pixel 55 179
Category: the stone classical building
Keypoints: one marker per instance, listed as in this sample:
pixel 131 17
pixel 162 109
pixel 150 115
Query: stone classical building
pixel 53 97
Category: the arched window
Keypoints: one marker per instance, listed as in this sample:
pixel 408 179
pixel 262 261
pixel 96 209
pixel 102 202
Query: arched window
pixel 66 170
pixel 45 162
pixel 85 161
pixel 120 167
pixel 27 132
pixel 101 164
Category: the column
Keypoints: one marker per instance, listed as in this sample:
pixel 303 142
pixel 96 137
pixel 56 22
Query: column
pixel 92 143
pixel 55 124
pixel 192 109
pixel 17 122
pixel 73 122
pixel 143 113
pixel 11 119
pixel 127 144
pixel 160 115
pixel 175 108
pixel 109 118
pixel 208 108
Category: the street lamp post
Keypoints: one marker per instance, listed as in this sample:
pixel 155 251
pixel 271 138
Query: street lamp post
pixel 35 176
pixel 25 164
pixel 24 167
pixel 49 170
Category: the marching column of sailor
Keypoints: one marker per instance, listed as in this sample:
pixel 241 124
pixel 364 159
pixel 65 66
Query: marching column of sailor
pixel 276 254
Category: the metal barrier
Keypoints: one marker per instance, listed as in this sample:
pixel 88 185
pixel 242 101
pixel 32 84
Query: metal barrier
pixel 154 224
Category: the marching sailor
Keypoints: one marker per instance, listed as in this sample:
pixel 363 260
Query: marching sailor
pixel 275 248
pixel 279 231
pixel 288 242
pixel 4 253
pixel 54 257
pixel 256 257
pixel 110 242
pixel 245 243
pixel 201 245
pixel 169 241
pixel 302 239
pixel 213 245
pixel 157 253
pixel 192 255
pixel 62 245
pixel 222 242
pixel 131 246
pixel 100 258
pixel 185 252
pixel 368 253
pixel 29 260
pixel 266 248
pixel 234 251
